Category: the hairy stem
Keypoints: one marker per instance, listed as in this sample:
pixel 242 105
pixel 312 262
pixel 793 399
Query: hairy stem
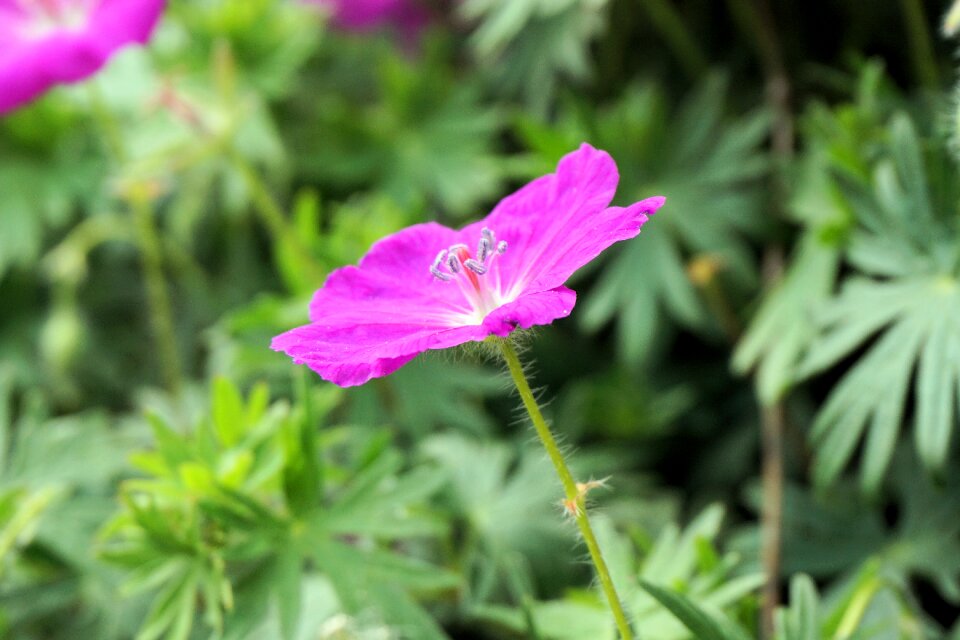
pixel 574 496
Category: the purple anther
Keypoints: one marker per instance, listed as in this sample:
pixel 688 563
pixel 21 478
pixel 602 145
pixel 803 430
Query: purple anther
pixel 483 250
pixel 435 267
pixel 475 266
pixel 440 275
pixel 502 247
pixel 453 263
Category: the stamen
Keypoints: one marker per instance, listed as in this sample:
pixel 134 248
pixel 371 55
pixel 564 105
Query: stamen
pixel 475 266
pixel 483 249
pixel 440 275
pixel 453 263
pixel 435 267
pixel 485 245
pixel 457 263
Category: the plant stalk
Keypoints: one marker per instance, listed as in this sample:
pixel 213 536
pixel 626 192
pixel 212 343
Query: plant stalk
pixel 273 218
pixel 574 496
pixel 148 241
pixel 756 19
pixel 158 298
pixel 921 46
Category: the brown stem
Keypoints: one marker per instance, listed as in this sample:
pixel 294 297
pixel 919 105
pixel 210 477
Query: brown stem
pixel 756 18
pixel 772 428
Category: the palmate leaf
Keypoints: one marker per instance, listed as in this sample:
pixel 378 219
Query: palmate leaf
pixel 831 530
pixel 867 606
pixel 402 129
pixel 456 398
pixel 241 511
pixel 667 588
pixel 490 486
pixel 701 623
pixel 842 140
pixel 800 621
pixel 903 308
pixel 40 192
pixel 529 44
pixel 710 169
pixel 782 328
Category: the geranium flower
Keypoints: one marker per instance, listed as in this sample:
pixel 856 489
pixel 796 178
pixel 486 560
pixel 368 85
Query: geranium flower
pixel 408 16
pixel 49 42
pixel 431 287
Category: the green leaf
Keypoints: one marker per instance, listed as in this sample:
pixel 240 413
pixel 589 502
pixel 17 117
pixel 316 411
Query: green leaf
pixel 783 328
pixel 937 386
pixel 228 411
pixel 800 620
pixel 287 576
pixel 703 625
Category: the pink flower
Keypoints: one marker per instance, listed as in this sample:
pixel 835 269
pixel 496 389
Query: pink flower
pixel 431 287
pixel 364 15
pixel 49 42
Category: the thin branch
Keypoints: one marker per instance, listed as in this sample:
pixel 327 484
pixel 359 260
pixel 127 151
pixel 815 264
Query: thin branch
pixel 756 18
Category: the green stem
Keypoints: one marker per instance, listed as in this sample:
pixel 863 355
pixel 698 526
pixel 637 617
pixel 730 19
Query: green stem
pixel 921 45
pixel 274 219
pixel 161 315
pixel 574 496
pixel 148 240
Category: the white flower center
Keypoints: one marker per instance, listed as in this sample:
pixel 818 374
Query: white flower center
pixel 42 17
pixel 477 275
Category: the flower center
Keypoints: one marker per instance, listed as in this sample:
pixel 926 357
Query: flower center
pixel 47 16
pixel 476 274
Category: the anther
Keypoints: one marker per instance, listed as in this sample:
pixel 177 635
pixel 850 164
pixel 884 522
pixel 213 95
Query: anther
pixel 453 263
pixel 483 249
pixel 475 266
pixel 502 247
pixel 435 267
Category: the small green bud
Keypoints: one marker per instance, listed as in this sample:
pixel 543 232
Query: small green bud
pixel 60 337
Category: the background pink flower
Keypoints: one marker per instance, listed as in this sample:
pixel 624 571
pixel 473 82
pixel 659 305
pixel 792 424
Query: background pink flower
pixel 48 42
pixel 408 16
pixel 431 287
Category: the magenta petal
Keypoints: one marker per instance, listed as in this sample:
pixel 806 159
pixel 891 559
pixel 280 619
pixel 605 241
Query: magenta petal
pixel 530 310
pixel 558 223
pixel 392 283
pixel 364 15
pixel 29 66
pixel 430 287
pixel 351 355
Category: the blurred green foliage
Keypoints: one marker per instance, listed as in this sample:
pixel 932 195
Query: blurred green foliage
pixel 268 148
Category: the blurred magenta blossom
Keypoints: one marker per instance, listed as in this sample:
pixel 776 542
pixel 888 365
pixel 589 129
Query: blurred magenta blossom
pixel 407 16
pixel 431 287
pixel 48 42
